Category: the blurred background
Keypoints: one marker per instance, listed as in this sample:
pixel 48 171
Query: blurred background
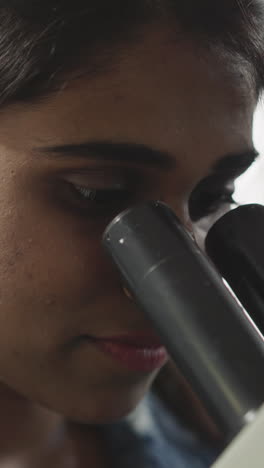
pixel 250 186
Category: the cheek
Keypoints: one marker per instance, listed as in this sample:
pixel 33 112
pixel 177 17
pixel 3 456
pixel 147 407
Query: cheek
pixel 51 269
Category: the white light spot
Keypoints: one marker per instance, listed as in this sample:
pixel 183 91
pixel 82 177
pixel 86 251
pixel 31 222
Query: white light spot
pixel 249 417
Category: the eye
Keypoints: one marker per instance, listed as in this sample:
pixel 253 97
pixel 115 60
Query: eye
pixel 101 193
pixel 102 200
pixel 215 192
pixel 100 196
pixel 207 200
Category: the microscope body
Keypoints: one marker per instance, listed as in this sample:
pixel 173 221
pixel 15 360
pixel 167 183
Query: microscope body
pixel 212 339
pixel 247 449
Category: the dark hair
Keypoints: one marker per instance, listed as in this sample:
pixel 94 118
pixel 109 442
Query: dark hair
pixel 43 40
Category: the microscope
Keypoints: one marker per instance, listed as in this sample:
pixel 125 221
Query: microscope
pixel 208 309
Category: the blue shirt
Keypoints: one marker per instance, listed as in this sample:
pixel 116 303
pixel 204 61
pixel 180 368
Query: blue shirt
pixel 151 437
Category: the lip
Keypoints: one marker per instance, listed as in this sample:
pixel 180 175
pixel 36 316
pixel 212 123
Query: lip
pixel 141 352
pixel 141 340
pixel 140 358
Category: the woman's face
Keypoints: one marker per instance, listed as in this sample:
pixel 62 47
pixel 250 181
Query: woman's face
pixel 161 101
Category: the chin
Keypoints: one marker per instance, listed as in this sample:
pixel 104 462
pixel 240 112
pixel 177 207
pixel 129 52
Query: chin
pixel 108 406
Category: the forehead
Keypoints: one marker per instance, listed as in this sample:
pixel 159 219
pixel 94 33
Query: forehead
pixel 163 92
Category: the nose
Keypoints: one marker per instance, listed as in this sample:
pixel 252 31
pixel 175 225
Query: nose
pixel 181 210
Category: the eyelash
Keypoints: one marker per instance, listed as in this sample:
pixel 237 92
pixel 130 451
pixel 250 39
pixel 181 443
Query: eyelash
pixel 209 204
pixel 208 198
pixel 103 202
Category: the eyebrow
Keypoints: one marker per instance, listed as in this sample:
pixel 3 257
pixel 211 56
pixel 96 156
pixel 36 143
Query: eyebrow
pixel 126 152
pixel 111 151
pixel 231 162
